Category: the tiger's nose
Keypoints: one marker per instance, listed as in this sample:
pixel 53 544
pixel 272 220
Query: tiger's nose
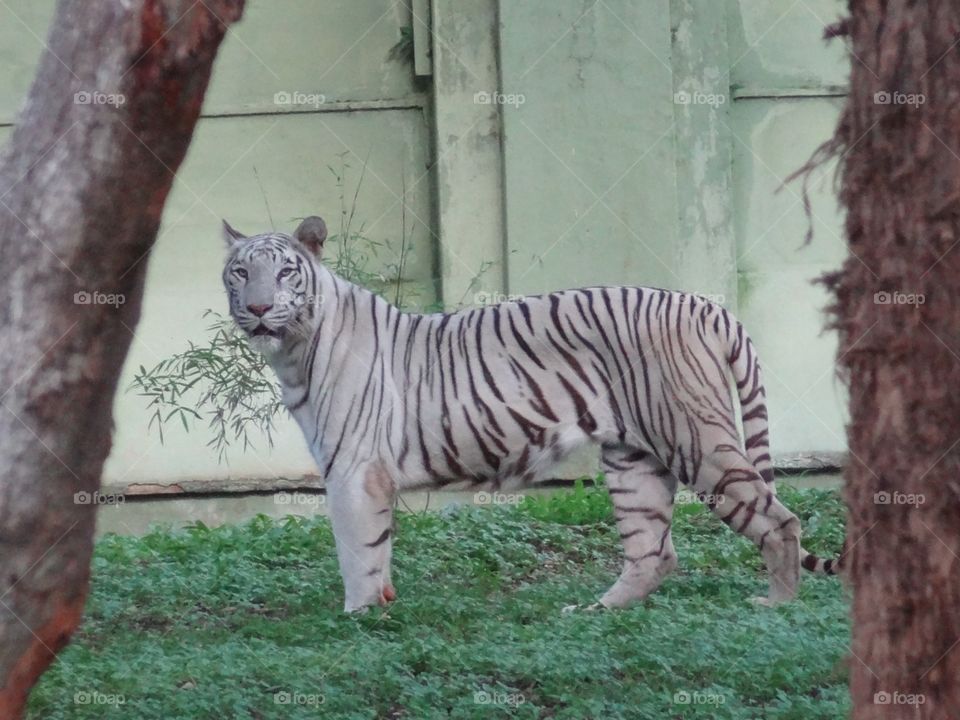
pixel 259 310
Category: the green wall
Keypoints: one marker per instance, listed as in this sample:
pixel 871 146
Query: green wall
pixel 374 114
pixel 787 86
pixel 650 149
pixel 590 169
pixel 640 142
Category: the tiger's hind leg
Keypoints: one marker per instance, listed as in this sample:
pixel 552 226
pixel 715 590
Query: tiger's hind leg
pixel 642 491
pixel 739 496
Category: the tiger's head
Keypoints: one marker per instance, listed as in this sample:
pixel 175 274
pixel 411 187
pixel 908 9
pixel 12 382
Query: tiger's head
pixel 272 284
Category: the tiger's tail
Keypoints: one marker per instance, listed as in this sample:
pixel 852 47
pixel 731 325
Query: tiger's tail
pixel 756 432
pixel 817 565
pixel 753 400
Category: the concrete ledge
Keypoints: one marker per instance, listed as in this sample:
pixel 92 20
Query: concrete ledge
pixel 758 93
pixel 789 464
pixel 216 486
pixel 810 462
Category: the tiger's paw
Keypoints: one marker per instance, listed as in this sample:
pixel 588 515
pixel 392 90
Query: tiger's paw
pixel 592 607
pixel 763 601
pixel 381 597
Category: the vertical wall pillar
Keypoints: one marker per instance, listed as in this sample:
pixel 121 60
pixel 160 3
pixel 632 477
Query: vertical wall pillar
pixel 706 256
pixel 468 150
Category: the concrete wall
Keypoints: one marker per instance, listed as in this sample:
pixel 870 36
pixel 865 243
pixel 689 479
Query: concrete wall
pixel 787 86
pixel 650 148
pixel 373 111
pixel 539 146
pixel 589 152
pixel 469 163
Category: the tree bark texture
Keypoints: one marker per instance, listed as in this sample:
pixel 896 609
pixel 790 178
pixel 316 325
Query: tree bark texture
pixel 83 182
pixel 897 309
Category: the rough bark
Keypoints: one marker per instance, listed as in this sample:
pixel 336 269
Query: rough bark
pixel 896 309
pixel 82 188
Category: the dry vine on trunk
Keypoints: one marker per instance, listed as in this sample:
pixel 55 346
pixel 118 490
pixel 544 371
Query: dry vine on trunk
pixel 896 310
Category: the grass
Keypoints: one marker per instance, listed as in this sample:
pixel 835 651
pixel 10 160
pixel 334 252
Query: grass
pixel 246 622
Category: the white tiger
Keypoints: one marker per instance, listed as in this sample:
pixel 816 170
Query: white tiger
pixel 495 396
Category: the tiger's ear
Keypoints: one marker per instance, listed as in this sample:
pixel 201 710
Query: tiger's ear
pixel 311 234
pixel 231 236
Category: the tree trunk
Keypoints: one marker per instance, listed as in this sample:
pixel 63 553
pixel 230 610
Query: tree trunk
pixel 897 309
pixel 83 182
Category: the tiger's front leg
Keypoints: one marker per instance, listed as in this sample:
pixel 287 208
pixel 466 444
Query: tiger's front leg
pixel 361 512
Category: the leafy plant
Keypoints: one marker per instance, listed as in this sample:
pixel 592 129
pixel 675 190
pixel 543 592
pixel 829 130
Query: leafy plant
pixel 356 250
pixel 403 50
pixel 223 381
pixel 587 504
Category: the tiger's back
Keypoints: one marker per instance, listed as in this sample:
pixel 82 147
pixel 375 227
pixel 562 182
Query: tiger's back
pixel 499 394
